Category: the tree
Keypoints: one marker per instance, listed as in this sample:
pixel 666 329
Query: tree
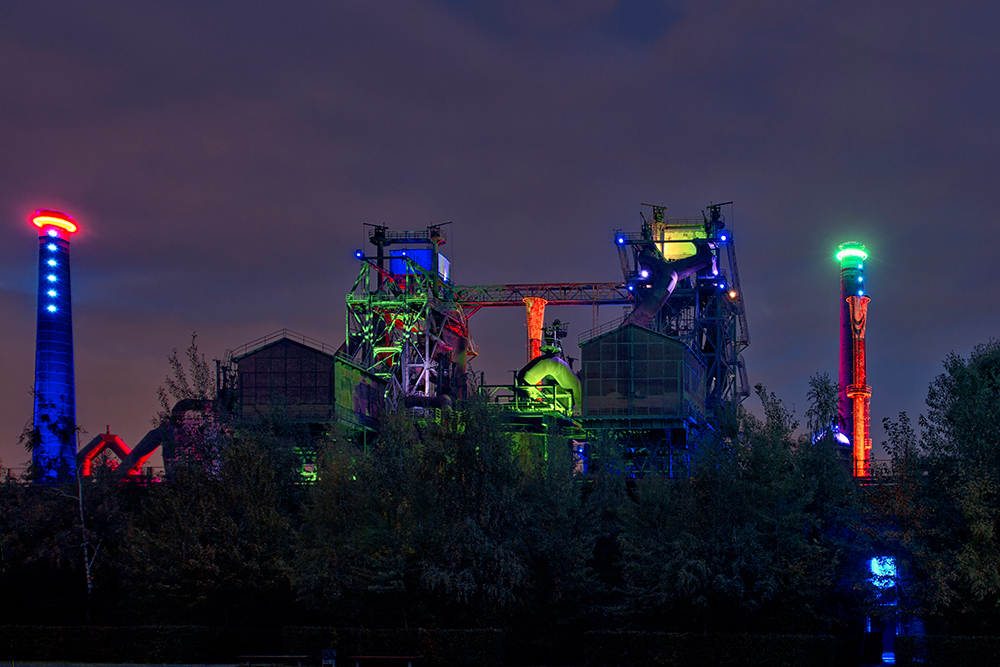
pixel 756 539
pixel 212 546
pixel 194 425
pixel 905 518
pixel 194 382
pixel 60 541
pixel 958 460
pixel 963 410
pixel 438 523
pixel 823 396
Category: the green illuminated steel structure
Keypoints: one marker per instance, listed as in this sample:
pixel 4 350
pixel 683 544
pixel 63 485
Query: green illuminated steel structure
pixel 408 323
pixel 403 324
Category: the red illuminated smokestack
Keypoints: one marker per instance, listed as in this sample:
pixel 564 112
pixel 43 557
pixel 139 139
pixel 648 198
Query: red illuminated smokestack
pixel 855 394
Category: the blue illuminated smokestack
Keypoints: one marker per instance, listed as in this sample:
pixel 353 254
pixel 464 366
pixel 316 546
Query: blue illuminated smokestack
pixel 55 393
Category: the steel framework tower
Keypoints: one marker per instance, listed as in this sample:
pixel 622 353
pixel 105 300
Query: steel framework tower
pixel 855 393
pixel 55 394
pixel 403 323
pixel 696 297
pixel 683 277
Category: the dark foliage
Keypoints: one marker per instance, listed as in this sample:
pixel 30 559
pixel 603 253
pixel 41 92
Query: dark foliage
pixel 449 521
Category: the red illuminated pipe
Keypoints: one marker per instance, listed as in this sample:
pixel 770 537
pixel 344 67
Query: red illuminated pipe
pixel 536 316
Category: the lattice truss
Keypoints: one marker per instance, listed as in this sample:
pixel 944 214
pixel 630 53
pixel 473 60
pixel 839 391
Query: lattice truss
pixel 405 329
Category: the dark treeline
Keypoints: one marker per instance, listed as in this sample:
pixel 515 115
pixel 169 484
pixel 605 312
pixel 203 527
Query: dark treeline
pixel 444 524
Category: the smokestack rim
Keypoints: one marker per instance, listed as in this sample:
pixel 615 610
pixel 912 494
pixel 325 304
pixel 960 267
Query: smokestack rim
pixel 45 217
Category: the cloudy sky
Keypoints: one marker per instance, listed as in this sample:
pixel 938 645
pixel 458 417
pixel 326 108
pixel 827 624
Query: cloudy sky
pixel 222 157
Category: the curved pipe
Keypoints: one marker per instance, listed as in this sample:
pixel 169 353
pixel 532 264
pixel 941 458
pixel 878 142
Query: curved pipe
pixel 143 451
pixel 130 460
pixel 668 274
pixel 550 366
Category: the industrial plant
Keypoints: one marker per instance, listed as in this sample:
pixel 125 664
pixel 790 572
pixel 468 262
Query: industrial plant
pixel 650 382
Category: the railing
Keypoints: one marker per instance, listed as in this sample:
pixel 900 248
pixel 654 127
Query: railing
pixel 600 330
pixel 429 235
pixel 254 345
pixel 532 398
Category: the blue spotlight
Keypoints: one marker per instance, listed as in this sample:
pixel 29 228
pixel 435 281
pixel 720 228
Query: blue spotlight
pixel 723 237
pixel 621 240
pixel 359 254
pixel 883 569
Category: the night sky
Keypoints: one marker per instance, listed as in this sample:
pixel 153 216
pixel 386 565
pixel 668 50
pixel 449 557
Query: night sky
pixel 222 157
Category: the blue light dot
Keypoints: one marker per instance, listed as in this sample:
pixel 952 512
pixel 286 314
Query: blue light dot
pixel 631 287
pixel 621 240
pixel 359 254
pixel 53 232
pixel 52 262
pixel 722 285
pixel 52 309
pixel 861 279
pixel 52 292
pixel 861 292
pixel 53 247
pixel 723 237
pixel 51 278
